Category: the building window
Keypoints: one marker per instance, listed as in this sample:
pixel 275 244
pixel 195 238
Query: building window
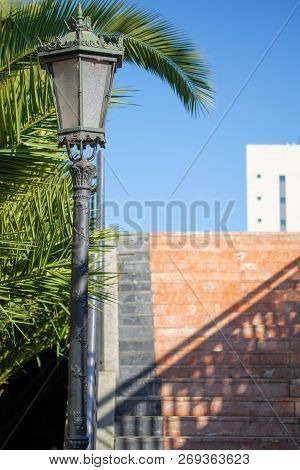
pixel 282 201
pixel 283 225
pixel 258 176
pixel 259 198
pixel 259 220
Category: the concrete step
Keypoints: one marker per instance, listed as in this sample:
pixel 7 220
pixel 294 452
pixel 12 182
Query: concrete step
pixel 145 321
pixel 141 387
pixel 220 371
pixel 203 406
pixel 232 443
pixel 136 333
pixel 137 358
pixel 229 387
pixel 134 372
pixel 189 339
pixel 132 347
pixel 198 357
pixel 133 286
pixel 226 426
pixel 134 257
pixel 135 309
pixel 239 322
pixel 138 406
pixel 215 406
pixel 130 266
pixel 133 278
pixel 139 426
pixel 145 443
pixel 222 426
pixel 135 243
pixel 243 324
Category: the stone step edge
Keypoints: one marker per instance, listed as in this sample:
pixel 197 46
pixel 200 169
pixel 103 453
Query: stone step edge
pixel 228 366
pixel 227 380
pixel 204 438
pixel 196 398
pixel 246 419
pixel 225 438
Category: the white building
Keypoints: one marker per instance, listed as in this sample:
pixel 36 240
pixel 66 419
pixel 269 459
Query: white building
pixel 273 188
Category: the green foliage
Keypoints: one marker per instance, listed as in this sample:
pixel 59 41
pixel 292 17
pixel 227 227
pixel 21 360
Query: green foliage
pixel 35 187
pixel 150 42
pixel 35 249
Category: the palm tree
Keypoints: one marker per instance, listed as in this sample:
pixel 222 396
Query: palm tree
pixel 36 207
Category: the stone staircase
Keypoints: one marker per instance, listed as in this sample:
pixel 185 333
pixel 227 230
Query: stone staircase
pixel 139 424
pixel 209 344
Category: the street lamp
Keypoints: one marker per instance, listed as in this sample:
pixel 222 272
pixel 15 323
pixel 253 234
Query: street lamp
pixel 82 66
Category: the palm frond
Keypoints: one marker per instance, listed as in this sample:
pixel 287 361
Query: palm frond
pixel 25 98
pixel 35 189
pixel 35 271
pixel 150 43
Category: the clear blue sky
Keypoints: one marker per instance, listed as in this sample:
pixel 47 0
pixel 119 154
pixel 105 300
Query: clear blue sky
pixel 151 146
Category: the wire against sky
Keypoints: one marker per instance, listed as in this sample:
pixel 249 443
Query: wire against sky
pixel 236 97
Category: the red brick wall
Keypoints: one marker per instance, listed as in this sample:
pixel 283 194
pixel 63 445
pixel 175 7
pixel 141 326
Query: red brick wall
pixel 226 318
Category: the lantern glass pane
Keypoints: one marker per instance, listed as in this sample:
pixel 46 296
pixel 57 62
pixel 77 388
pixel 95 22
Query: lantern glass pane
pixel 66 80
pixel 96 83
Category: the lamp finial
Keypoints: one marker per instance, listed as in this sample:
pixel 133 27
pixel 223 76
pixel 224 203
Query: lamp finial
pixel 79 11
pixel 80 17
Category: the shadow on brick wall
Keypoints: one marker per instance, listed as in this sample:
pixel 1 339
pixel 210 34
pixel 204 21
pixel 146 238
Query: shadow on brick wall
pixel 234 383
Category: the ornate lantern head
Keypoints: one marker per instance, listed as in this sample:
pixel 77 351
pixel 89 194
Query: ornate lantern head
pixel 82 66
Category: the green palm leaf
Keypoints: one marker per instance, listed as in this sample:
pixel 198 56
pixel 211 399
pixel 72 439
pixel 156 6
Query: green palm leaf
pixel 35 188
pixel 149 42
pixel 35 254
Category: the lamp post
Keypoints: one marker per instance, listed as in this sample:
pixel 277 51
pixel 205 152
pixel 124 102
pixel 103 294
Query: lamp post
pixel 82 66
